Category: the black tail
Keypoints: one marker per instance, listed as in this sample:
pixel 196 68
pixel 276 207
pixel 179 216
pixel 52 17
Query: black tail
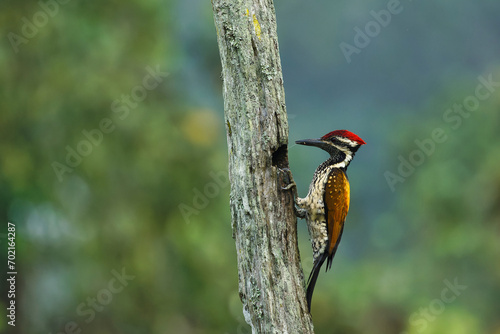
pixel 312 279
pixel 316 268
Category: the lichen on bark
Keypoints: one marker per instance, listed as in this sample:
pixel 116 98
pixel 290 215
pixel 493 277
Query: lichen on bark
pixel 271 281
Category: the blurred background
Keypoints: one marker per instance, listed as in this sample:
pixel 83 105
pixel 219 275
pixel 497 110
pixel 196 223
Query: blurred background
pixel 113 164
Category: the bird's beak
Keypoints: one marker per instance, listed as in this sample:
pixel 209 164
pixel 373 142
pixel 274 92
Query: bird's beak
pixel 313 142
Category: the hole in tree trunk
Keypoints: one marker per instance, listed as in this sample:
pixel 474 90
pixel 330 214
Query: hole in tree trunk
pixel 280 157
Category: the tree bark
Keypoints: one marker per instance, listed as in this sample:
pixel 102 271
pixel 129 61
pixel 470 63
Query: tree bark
pixel 271 281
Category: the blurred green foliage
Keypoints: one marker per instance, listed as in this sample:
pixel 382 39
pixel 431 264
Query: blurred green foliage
pixel 148 197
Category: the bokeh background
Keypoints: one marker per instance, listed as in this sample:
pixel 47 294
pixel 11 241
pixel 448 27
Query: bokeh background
pixel 135 237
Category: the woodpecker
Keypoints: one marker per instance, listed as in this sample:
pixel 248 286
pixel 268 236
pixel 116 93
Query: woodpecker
pixel 326 205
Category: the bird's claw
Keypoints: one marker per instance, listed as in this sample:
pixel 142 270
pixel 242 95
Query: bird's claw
pixel 291 183
pixel 299 212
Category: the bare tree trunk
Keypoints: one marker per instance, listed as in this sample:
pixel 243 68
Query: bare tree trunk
pixel 271 281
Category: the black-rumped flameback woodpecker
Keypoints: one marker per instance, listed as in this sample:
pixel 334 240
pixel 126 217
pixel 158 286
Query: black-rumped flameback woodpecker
pixel 326 205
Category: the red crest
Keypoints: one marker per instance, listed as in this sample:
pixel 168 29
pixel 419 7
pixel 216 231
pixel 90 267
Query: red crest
pixel 346 134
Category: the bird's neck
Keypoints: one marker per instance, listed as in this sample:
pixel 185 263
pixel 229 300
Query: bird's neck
pixel 339 159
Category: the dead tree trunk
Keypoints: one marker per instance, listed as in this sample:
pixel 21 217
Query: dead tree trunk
pixel 271 281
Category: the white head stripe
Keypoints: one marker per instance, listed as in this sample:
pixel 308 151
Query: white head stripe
pixel 347 141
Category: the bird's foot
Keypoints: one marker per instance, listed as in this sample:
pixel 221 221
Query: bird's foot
pixel 299 212
pixel 289 179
